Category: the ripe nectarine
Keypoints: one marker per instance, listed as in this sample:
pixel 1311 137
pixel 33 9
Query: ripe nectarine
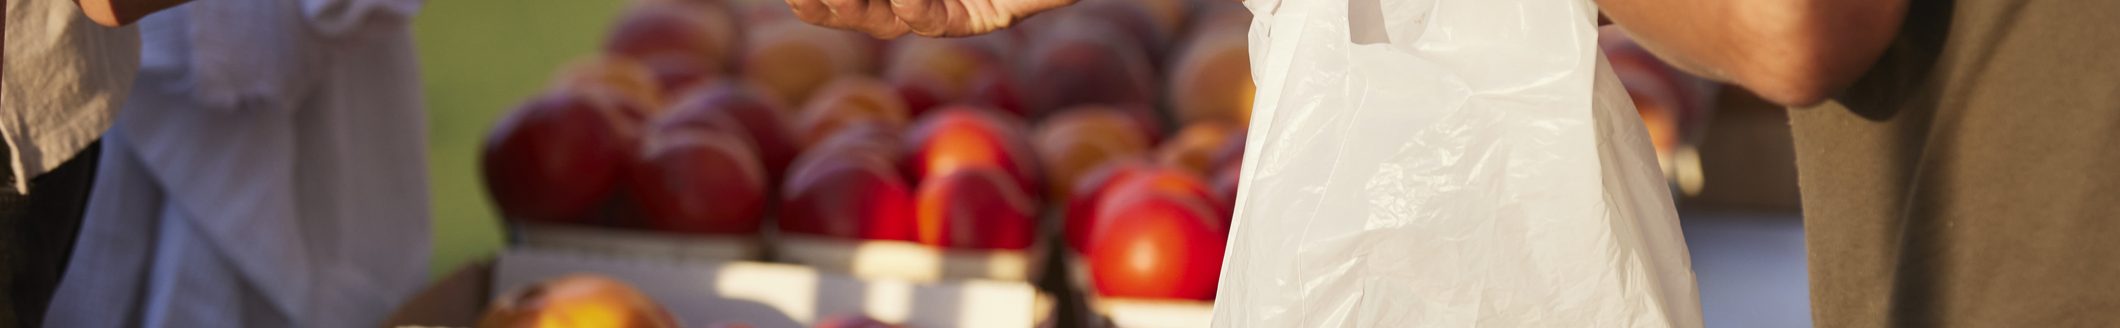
pixel 1211 79
pixel 698 180
pixel 1195 147
pixel 975 208
pixel 844 188
pixel 1103 185
pixel 1072 142
pixel 758 116
pixel 792 59
pixel 849 101
pixel 560 156
pixel 576 301
pixel 931 72
pixel 682 41
pixel 958 137
pixel 1086 64
pixel 1150 244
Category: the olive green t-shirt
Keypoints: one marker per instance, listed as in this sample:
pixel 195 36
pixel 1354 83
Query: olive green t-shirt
pixel 1972 177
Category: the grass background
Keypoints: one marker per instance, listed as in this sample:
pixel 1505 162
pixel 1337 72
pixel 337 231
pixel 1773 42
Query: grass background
pixel 478 58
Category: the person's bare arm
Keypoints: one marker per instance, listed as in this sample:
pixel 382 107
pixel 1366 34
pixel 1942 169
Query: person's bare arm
pixel 1791 52
pixel 116 13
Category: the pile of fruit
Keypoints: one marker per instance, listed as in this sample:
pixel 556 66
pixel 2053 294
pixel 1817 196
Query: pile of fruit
pixel 1123 119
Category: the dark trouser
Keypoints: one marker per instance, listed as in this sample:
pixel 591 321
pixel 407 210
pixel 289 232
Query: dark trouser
pixel 37 234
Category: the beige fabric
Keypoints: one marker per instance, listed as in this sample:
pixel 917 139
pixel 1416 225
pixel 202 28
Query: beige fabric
pixel 63 81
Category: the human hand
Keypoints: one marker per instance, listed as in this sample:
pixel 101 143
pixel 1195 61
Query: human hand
pixel 935 18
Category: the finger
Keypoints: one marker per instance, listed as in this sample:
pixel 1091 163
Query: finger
pixel 811 11
pixel 891 27
pixel 923 17
pixel 868 16
pixel 877 19
pixel 1018 9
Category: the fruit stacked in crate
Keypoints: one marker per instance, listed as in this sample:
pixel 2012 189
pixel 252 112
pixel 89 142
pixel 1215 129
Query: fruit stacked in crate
pixel 1145 188
pixel 1107 133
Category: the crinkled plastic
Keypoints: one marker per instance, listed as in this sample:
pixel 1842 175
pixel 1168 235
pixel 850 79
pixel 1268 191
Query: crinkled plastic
pixel 1447 163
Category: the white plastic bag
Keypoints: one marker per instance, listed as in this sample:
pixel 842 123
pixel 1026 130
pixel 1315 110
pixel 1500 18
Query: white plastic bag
pixel 1447 163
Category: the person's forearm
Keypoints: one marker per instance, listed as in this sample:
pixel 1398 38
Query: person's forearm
pixel 116 13
pixel 1792 52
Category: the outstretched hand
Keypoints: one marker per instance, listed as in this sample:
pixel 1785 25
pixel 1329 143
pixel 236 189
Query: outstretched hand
pixel 935 18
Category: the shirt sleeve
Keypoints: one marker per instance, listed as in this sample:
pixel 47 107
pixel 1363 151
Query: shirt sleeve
pixel 336 17
pixel 64 78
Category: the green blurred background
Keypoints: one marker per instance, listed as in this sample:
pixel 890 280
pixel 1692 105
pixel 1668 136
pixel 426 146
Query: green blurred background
pixel 478 58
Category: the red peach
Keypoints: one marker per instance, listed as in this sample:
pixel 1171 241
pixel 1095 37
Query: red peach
pixel 576 301
pixel 974 208
pixel 683 41
pixel 1074 141
pixel 1211 79
pixel 848 189
pixel 851 100
pixel 758 116
pixel 696 180
pixel 1194 148
pixel 1155 245
pixel 958 137
pixel 560 156
pixel 1086 64
pixel 792 59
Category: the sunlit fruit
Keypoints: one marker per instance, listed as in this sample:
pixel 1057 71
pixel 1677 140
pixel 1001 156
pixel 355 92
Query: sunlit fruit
pixel 1232 151
pixel 576 301
pixel 1081 209
pixel 850 189
pixel 1211 79
pixel 1195 147
pixel 792 59
pixel 1076 140
pixel 959 137
pixel 975 207
pixel 851 100
pixel 1151 244
pixel 1104 186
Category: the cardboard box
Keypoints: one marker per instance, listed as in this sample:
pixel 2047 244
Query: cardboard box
pixel 641 244
pixel 702 293
pixel 1136 312
pixel 905 260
